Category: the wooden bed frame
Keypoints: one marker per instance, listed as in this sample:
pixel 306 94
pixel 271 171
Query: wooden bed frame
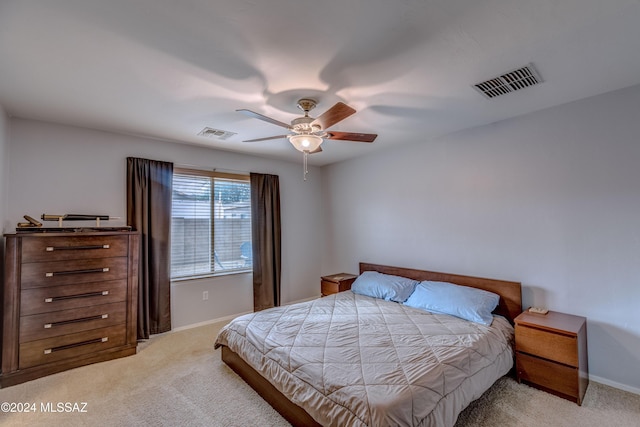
pixel 510 306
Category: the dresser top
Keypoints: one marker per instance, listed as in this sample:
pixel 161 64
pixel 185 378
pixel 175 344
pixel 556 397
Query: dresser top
pixel 71 233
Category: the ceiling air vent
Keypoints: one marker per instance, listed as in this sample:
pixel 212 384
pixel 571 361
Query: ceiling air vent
pixel 509 82
pixel 216 133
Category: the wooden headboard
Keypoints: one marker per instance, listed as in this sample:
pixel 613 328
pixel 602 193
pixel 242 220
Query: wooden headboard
pixel 510 304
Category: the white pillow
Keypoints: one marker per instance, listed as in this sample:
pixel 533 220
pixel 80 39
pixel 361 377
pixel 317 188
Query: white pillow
pixel 384 286
pixel 465 302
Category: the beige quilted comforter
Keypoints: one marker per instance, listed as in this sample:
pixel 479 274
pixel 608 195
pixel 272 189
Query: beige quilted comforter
pixel 352 360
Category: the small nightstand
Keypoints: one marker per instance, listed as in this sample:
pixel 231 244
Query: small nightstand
pixel 336 283
pixel 551 353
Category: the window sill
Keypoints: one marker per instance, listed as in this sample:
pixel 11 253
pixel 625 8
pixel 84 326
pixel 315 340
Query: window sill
pixel 209 276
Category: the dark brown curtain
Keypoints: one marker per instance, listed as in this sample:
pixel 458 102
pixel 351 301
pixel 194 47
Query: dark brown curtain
pixel 149 184
pixel 265 236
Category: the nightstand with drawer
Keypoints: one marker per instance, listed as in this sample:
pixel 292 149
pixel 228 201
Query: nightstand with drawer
pixel 336 283
pixel 551 353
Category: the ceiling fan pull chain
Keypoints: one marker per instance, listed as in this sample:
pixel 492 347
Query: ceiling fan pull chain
pixel 304 164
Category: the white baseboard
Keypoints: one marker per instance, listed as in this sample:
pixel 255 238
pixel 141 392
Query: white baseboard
pixel 614 384
pixel 208 322
pixel 303 300
pixel 230 317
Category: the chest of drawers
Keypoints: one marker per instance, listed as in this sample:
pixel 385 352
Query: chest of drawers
pixel 70 299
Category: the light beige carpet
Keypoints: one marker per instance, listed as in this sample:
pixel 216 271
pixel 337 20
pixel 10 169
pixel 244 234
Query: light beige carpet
pixel 177 379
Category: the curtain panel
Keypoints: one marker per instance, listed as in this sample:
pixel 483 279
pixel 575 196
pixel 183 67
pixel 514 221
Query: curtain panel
pixel 266 240
pixel 149 186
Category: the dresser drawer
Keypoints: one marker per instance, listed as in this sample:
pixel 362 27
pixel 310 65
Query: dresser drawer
pixel 43 274
pixel 67 346
pixel 38 249
pixel 55 298
pixel 553 376
pixel 549 345
pixel 40 326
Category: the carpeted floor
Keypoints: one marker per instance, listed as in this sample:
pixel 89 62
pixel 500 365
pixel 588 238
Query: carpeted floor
pixel 177 379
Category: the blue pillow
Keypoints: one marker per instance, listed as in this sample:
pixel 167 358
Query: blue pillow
pixel 384 286
pixel 465 302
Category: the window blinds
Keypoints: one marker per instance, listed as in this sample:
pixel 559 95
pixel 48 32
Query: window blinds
pixel 211 225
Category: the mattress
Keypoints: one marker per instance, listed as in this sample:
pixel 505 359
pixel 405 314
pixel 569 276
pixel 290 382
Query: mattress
pixel 353 360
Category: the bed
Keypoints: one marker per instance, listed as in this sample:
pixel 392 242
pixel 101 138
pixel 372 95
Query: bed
pixel 351 359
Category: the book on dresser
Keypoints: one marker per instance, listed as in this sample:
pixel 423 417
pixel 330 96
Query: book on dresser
pixel 70 299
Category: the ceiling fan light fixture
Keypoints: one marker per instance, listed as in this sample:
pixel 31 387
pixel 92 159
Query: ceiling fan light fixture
pixel 308 143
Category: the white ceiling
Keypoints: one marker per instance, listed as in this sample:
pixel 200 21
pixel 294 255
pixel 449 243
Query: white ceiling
pixel 166 69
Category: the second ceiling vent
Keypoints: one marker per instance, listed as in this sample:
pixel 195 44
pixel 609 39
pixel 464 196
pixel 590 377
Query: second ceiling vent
pixel 509 82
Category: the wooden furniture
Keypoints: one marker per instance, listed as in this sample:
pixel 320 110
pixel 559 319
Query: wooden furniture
pixel 509 306
pixel 551 353
pixel 336 283
pixel 70 299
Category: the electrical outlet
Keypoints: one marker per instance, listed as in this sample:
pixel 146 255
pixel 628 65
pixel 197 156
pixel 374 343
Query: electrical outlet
pixel 205 295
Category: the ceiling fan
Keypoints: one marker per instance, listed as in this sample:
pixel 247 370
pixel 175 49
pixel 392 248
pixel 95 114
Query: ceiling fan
pixel 308 133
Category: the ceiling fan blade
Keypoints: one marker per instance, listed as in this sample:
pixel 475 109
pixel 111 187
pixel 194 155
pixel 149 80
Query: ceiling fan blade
pixel 333 115
pixel 266 139
pixel 352 136
pixel 259 116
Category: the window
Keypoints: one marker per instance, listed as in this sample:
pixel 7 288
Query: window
pixel 210 223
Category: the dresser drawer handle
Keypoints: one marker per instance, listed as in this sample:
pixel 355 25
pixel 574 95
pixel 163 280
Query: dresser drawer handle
pixel 80 320
pixel 90 270
pixel 79 344
pixel 73 248
pixel 89 294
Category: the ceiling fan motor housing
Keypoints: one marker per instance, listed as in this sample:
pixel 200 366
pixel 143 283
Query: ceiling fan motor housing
pixel 307 104
pixel 303 125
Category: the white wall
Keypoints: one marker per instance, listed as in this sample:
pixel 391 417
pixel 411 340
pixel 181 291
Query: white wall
pixel 550 199
pixel 4 147
pixel 63 169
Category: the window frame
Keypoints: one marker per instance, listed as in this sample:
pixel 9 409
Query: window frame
pixel 213 174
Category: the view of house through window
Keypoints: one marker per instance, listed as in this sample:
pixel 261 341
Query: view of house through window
pixel 210 223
